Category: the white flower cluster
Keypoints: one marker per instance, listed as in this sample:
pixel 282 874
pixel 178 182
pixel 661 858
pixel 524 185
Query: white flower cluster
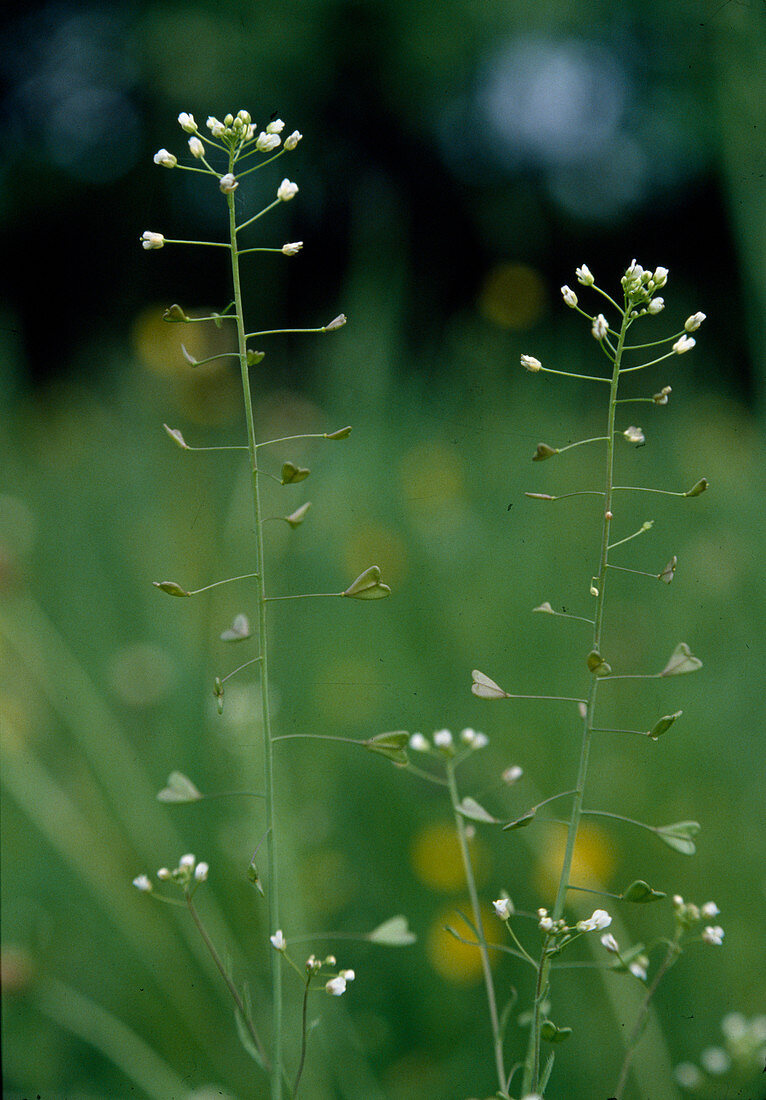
pixel 745 1049
pixel 444 742
pixel 687 914
pixel 336 985
pixel 186 873
pixel 640 285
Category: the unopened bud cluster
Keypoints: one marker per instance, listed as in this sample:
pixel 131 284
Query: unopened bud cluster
pixel 689 915
pixel 444 742
pixel 640 286
pixel 188 873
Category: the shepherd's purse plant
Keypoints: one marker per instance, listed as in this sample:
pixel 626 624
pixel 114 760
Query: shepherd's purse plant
pixel 224 154
pixel 537 940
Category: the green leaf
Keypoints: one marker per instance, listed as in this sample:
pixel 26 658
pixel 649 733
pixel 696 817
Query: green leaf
pixel 486 688
pixel 544 451
pixel 179 789
pixel 681 660
pixel 470 808
pixel 246 1039
pixel 552 1034
pixel 663 725
pixel 640 891
pixel 368 586
pixel 393 932
pixel 695 490
pixel 239 630
pixel 597 665
pixel 291 474
pixel 679 836
pixel 171 588
pixel 521 822
pixel 390 745
pixel 296 518
pixel 176 436
pixel 341 433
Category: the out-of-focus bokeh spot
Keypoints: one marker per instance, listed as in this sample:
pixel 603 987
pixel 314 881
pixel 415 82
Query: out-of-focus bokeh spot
pixel 373 543
pixel 350 690
pixel 436 858
pixel 513 296
pixel 141 674
pixel 595 857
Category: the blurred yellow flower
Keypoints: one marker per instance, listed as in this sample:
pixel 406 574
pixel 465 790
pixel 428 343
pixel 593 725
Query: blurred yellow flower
pixel 454 961
pixel 513 296
pixel 595 857
pixel 436 859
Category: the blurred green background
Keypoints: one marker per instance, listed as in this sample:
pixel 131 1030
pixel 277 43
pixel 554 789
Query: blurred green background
pixel 459 160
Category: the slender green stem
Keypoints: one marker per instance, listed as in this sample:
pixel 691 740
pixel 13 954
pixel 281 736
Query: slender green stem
pixel 244 1014
pixel 672 954
pixel 304 1033
pixel 581 443
pixel 532 1068
pixel 260 214
pixel 207 244
pixel 497 1037
pixel 569 374
pixel 226 580
pixel 263 647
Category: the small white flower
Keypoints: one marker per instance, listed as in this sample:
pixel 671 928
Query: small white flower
pixel 200 872
pixel 152 240
pixel 313 965
pixel 688 1076
pixel 715 1060
pixel 330 960
pixel 503 908
pixel 529 362
pixel 713 935
pixel 186 863
pixel 293 248
pixel 266 142
pixel 275 127
pixel 337 322
pixel 600 327
pixel 418 743
pixel 684 343
pixel 278 941
pixel 287 190
pixel 143 883
pixel 709 909
pixel 336 986
pixel 569 296
pixel 546 924
pixel 228 183
pixel 292 140
pixel 599 919
pixel 691 324
pixel 638 968
pixel 610 943
pixel 734 1026
pixel 347 975
pixel 443 739
pixel 215 126
pixel 164 874
pixel 660 277
pixel 187 123
pixel 475 740
pixel 196 148
pixel 656 306
pixel 634 435
pixel 677 901
pixel 584 276
pixel 512 775
pixel 166 159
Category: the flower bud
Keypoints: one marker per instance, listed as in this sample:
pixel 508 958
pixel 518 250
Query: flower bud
pixel 684 343
pixel 292 140
pixel 196 148
pixel 164 158
pixel 287 190
pixel 337 322
pixel 634 435
pixel 418 743
pixel 215 126
pixel 275 127
pixel 336 986
pixel 691 324
pixel 569 296
pixel 660 277
pixel 600 327
pixel 152 240
pixel 529 362
pixel 503 908
pixel 228 183
pixel 142 883
pixel 293 248
pixel 443 740
pixel 661 398
pixel 713 935
pixel 512 775
pixel 200 872
pixel 278 941
pixel 584 276
pixel 187 123
pixel 656 306
pixel 610 943
pixel 244 116
pixel 266 142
